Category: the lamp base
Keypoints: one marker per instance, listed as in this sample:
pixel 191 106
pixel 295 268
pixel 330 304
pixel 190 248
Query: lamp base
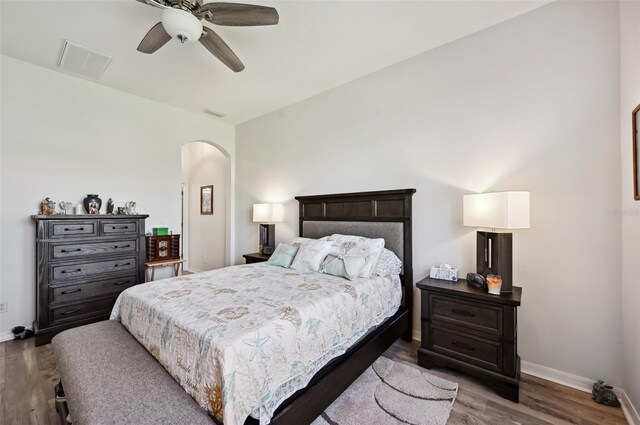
pixel 267 238
pixel 494 256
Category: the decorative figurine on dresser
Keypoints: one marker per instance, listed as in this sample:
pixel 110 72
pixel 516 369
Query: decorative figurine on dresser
pixel 83 263
pixel 467 329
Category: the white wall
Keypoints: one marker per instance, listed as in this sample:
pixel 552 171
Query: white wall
pixel 64 137
pixel 529 104
pixel 629 99
pixel 205 165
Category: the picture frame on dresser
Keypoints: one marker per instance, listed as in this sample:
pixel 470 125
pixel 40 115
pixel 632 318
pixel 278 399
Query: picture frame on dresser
pixel 83 262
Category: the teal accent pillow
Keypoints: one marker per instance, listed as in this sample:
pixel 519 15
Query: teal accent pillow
pixel 349 266
pixel 283 255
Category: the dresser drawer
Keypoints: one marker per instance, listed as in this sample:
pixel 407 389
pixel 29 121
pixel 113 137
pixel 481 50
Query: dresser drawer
pixel 118 227
pixel 71 271
pixel 66 250
pixel 81 291
pixel 472 315
pixel 481 352
pixel 62 314
pixel 72 229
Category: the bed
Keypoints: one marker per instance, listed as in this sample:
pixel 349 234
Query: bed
pixel 184 322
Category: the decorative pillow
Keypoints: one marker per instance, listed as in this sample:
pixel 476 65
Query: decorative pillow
pixel 388 265
pixel 371 249
pixel 283 255
pixel 348 266
pixel 311 254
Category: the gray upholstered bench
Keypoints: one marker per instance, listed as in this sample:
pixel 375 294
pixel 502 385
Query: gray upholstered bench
pixel 109 378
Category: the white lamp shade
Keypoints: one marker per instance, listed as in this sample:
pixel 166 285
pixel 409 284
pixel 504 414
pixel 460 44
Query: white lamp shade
pixel 497 210
pixel 268 213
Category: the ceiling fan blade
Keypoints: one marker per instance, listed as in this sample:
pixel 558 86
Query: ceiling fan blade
pixel 155 39
pixel 218 48
pixel 239 15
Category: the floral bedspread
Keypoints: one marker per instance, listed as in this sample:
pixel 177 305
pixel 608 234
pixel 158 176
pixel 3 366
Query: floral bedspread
pixel 242 339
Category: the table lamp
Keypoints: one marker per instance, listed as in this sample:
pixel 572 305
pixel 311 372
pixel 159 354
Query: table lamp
pixel 267 215
pixel 491 211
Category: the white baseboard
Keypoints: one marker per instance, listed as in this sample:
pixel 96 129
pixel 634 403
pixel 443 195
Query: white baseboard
pixel 8 335
pixel 194 270
pixel 630 411
pixel 557 376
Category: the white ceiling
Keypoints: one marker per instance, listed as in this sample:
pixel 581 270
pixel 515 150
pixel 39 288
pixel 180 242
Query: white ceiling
pixel 316 46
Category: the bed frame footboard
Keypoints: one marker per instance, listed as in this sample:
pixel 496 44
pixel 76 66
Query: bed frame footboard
pixel 313 400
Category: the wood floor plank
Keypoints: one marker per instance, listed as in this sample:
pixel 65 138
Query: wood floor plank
pixel 28 375
pixel 554 398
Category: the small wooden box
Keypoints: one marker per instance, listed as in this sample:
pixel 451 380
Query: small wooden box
pixel 160 231
pixel 161 248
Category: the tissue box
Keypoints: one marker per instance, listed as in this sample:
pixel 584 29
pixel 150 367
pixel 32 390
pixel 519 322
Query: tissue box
pixel 445 272
pixel 160 231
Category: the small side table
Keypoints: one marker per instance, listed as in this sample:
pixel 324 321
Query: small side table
pixel 472 331
pixel 150 266
pixel 256 257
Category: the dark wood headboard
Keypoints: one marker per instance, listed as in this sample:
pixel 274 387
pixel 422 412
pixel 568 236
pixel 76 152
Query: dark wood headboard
pixel 348 209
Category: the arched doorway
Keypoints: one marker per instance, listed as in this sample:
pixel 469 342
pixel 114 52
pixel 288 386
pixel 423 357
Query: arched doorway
pixel 205 234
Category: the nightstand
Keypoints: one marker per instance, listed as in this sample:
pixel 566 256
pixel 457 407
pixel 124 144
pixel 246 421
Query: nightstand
pixel 256 257
pixel 472 331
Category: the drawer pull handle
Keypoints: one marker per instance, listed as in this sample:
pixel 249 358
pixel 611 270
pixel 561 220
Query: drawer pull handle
pixel 121 246
pixel 68 229
pixel 71 250
pixel 462 312
pixel 124 282
pixel 119 227
pixel 463 345
pixel 70 312
pixel 121 265
pixel 71 271
pixel 71 292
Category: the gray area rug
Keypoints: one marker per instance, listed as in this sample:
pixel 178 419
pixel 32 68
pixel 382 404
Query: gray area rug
pixel 392 393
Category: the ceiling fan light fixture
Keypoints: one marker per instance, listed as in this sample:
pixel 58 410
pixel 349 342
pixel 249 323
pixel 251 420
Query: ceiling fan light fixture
pixel 181 25
pixel 181 20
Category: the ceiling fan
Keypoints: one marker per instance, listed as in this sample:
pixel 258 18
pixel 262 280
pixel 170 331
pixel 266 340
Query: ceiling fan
pixel 181 20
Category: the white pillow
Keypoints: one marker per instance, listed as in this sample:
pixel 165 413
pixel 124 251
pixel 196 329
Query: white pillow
pixel 388 265
pixel 371 249
pixel 311 254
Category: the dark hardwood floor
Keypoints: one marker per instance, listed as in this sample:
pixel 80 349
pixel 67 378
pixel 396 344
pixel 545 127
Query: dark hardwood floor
pixel 28 374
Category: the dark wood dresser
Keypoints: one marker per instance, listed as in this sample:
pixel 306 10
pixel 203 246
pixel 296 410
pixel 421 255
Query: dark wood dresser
pixel 472 331
pixel 83 263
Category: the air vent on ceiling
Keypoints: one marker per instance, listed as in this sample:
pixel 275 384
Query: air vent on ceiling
pixel 82 61
pixel 215 113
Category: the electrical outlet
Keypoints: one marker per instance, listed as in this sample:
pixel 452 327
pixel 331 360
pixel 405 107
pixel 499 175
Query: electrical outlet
pixel 3 307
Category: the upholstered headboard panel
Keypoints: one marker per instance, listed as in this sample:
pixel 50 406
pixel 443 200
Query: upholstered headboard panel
pixel 391 232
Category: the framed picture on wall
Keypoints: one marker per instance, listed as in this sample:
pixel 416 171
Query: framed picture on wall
pixel 206 200
pixel 635 125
